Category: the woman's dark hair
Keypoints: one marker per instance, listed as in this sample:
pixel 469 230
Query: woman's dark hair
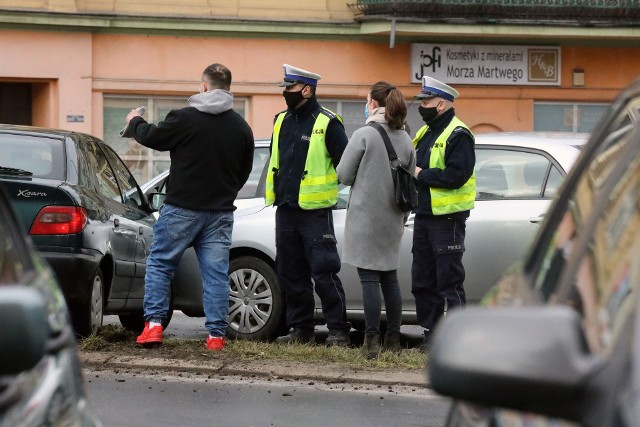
pixel 386 95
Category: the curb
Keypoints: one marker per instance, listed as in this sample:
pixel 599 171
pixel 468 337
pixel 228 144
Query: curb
pixel 266 369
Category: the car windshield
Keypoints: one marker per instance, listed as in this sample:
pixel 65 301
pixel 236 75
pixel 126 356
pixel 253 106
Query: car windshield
pixel 26 155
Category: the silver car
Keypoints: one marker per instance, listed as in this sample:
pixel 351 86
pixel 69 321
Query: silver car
pixel 517 174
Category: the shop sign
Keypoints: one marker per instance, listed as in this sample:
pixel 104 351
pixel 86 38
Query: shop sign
pixel 486 64
pixel 75 118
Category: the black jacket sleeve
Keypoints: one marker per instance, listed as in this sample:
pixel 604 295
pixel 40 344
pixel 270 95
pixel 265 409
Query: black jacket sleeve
pixel 336 140
pixel 162 137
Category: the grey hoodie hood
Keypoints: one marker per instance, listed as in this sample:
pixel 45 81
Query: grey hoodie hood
pixel 215 101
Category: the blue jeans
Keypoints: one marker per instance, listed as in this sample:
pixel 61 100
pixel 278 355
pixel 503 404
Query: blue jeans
pixel 210 235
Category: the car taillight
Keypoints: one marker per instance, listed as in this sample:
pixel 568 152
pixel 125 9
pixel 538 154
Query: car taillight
pixel 59 220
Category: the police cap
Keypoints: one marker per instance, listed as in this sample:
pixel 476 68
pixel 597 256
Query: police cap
pixel 432 88
pixel 293 75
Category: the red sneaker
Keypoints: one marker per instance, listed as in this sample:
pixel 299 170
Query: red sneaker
pixel 216 343
pixel 150 335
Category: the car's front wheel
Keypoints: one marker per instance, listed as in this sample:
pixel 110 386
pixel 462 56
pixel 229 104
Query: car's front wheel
pixel 256 303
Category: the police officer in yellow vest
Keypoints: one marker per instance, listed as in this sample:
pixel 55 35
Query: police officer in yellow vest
pixel 306 145
pixel 445 159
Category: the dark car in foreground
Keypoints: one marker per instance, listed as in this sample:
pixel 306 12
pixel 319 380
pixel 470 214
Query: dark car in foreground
pixel 560 343
pixel 40 378
pixel 86 215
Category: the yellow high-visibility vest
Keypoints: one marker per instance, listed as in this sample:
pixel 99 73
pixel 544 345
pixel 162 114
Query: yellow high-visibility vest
pixel 319 184
pixel 444 201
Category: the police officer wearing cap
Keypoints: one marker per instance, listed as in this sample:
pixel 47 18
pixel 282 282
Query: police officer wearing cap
pixel 445 161
pixel 307 144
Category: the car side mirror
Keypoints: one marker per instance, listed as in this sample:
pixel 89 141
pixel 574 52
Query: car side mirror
pixel 518 358
pixel 156 200
pixel 25 329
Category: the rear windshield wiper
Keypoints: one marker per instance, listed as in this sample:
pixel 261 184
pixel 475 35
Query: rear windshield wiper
pixel 14 171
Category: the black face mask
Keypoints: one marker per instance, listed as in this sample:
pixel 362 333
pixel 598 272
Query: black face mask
pixel 428 114
pixel 293 98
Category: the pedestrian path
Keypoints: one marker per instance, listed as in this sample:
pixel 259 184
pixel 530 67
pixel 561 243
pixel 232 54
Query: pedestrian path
pixel 259 368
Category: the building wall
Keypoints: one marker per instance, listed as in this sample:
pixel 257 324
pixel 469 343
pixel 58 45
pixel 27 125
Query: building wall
pixel 60 65
pixel 85 66
pixel 247 9
pixel 72 70
pixel 173 65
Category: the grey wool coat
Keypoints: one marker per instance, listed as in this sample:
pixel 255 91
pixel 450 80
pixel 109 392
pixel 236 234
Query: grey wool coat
pixel 374 224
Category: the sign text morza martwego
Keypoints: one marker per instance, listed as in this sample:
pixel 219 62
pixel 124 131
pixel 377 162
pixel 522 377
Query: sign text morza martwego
pixel 486 65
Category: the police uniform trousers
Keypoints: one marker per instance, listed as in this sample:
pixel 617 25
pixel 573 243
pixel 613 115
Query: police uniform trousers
pixel 437 274
pixel 306 249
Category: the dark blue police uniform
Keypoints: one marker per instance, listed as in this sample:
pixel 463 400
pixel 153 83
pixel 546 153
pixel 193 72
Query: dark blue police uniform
pixel 438 240
pixel 305 239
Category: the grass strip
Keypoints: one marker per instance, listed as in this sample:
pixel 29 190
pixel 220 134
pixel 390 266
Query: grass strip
pixel 116 339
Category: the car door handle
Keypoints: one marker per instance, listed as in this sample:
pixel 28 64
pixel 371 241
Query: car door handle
pixel 116 222
pixel 536 219
pixel 140 230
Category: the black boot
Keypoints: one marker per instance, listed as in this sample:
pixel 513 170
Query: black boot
pixel 295 335
pixel 338 337
pixel 392 342
pixel 425 346
pixel 371 346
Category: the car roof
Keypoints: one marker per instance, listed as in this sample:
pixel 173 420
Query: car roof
pixel 34 130
pixel 564 147
pixel 259 143
pixel 532 139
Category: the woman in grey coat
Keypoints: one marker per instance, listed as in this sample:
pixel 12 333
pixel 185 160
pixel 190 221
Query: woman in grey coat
pixel 374 223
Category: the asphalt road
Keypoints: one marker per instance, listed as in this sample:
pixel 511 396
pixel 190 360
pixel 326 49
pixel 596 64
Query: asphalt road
pixel 139 399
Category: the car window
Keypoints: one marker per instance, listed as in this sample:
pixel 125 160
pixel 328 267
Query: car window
pixel 94 171
pixel 13 262
pixel 572 223
pixel 511 174
pixel 128 186
pixel 41 156
pixel 553 182
pixel 8 266
pixel 603 267
pixel 255 183
pixel 343 196
pixel 573 214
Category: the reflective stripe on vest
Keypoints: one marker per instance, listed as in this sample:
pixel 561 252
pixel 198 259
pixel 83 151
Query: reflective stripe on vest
pixel 444 201
pixel 319 185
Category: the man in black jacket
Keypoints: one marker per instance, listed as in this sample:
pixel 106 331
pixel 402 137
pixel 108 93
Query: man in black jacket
pixel 306 145
pixel 211 148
